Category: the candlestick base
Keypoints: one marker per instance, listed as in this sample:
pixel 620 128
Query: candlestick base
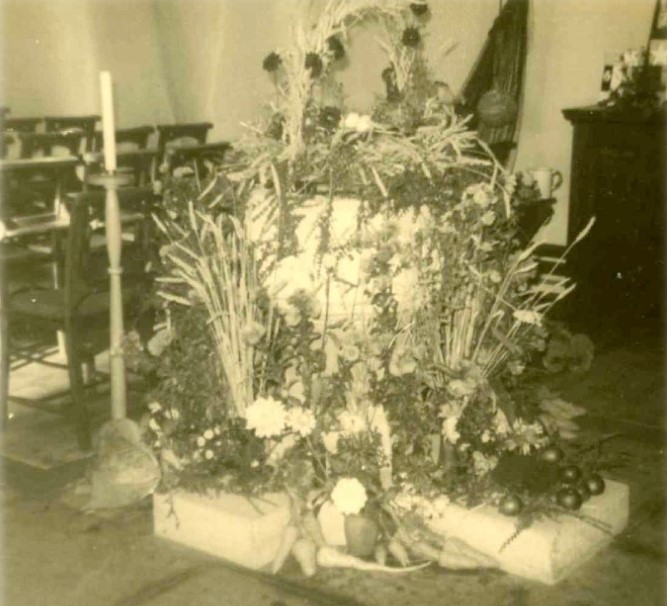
pixel 113 180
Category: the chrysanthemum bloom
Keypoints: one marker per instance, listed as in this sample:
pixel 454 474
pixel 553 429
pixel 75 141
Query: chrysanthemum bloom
pixel 336 47
pixel 253 333
pixel 401 363
pixel 488 218
pixel 272 62
pixel 301 420
pixel 349 496
pixel 449 430
pixel 330 441
pixel 419 8
pixel 330 117
pixel 314 64
pixel 350 352
pixel 411 37
pixel 266 417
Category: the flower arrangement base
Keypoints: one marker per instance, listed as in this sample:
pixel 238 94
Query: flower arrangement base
pixel 549 549
pixel 225 525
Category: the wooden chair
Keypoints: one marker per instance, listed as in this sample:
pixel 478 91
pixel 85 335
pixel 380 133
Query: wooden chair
pixel 35 185
pixel 80 308
pixel 35 144
pixel 21 125
pixel 139 162
pixel 84 124
pixel 137 136
pixel 170 133
pixel 5 139
pixel 199 159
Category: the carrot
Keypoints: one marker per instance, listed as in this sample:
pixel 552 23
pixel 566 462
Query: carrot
pixel 458 555
pixel 398 550
pixel 289 537
pixel 312 528
pixel 424 550
pixel 304 551
pixel 381 554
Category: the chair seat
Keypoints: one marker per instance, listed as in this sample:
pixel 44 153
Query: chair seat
pixel 49 304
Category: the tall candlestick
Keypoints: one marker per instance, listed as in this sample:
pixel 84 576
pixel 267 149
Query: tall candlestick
pixel 108 125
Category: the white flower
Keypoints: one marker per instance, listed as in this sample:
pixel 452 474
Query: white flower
pixel 486 436
pixel 201 441
pixel 169 457
pixel 495 276
pixel 449 429
pixel 330 441
pixel 352 423
pixel 462 388
pixel 208 434
pixel 253 333
pixel 450 409
pixel 481 195
pixel 278 452
pixel 363 124
pixel 154 407
pixel 153 424
pixel 349 496
pixel 526 436
pixel 483 464
pixel 401 363
pixel 440 504
pixel 208 454
pixel 350 352
pixel 266 417
pixel 175 414
pixel 351 120
pixel 291 315
pixel 301 420
pixel 488 218
pixel 528 316
pixel 500 421
pixel 516 367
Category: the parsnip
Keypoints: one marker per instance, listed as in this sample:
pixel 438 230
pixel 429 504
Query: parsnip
pixel 304 551
pixel 328 557
pixel 290 535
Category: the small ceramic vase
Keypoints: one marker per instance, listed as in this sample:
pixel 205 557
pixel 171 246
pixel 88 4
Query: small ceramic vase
pixel 361 534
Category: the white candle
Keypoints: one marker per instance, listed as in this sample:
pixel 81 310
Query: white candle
pixel 108 126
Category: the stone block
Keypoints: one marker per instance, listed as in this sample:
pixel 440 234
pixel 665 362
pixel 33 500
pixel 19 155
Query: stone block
pixel 243 530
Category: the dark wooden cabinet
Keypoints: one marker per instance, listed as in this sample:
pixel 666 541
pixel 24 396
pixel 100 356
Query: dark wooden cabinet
pixel 617 175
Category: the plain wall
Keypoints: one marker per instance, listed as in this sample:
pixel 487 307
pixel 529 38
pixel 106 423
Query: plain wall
pixel 567 43
pixel 51 53
pixel 192 60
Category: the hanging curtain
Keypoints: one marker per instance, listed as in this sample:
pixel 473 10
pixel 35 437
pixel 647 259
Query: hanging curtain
pixel 498 73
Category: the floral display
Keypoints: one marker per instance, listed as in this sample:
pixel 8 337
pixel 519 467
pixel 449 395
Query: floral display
pixel 351 312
